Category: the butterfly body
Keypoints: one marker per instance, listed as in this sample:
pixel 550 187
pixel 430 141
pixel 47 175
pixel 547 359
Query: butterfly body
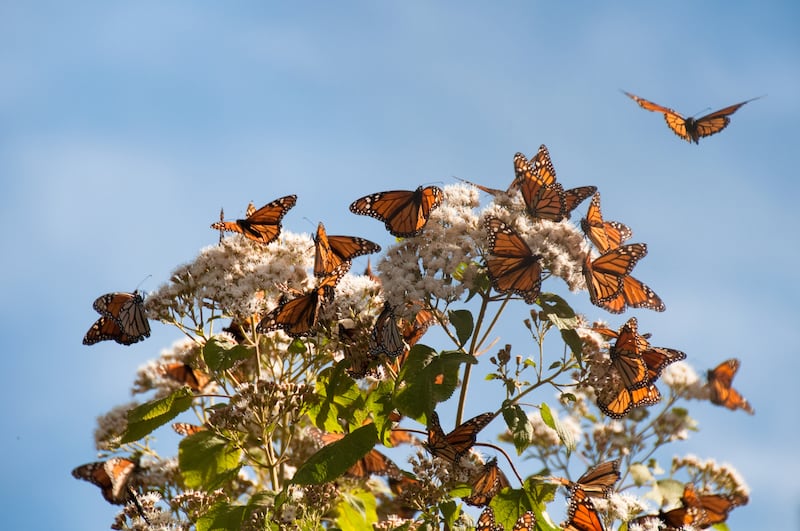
pixel 513 268
pixel 691 129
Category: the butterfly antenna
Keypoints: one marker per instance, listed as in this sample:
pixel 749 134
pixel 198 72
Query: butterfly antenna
pixel 142 282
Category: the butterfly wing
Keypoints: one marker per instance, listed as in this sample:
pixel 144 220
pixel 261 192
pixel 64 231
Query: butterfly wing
pixel 105 329
pixel 404 213
pixel 514 268
pixel 112 476
pixel 581 515
pixel 605 275
pixel 526 522
pixel 657 358
pixel 605 235
pixel 674 120
pixel 299 317
pixel 488 482
pixel 716 121
pixel 635 294
pixel 185 429
pixel 385 337
pixel 127 310
pixel 263 225
pixel 184 374
pixel 720 381
pixel 575 196
pixel 335 252
pixel 486 521
pixel 599 480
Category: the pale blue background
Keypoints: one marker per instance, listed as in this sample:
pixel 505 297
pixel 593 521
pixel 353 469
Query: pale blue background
pixel 125 126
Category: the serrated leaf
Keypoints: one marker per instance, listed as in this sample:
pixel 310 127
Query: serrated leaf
pixel 464 324
pixel 427 379
pixel 510 504
pixel 338 396
pixel 334 459
pixel 565 436
pixel 519 425
pixel 207 460
pixel 143 419
pixel 221 517
pixel 221 353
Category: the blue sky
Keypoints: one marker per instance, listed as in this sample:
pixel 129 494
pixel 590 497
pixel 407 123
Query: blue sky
pixel 125 126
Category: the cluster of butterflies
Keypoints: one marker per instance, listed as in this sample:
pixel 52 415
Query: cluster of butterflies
pixel 698 511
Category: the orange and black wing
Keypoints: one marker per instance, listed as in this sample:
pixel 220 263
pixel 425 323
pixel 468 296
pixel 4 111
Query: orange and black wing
pixel 184 374
pixel 457 443
pixel 127 311
pixel 722 393
pixel 107 328
pixel 486 521
pixel 385 337
pixel 405 213
pixel 536 178
pixel 526 522
pixel 605 235
pixel 299 317
pixel 712 123
pixel 489 481
pixel 263 225
pixel 634 294
pixel 581 515
pixel 112 476
pixel 185 429
pixel 674 119
pixel 605 274
pixel 513 268
pixel 599 480
pixel 333 253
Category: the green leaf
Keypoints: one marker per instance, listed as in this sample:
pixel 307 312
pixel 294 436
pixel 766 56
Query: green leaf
pixel 334 459
pixel 450 511
pixel 510 504
pixel 427 379
pixel 338 398
pixel 143 419
pixel 221 517
pixel 207 460
pixel 380 404
pixel 464 324
pixel 220 353
pixel 566 437
pixel 356 511
pixel 521 428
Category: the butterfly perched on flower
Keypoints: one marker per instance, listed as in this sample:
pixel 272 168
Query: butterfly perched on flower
pixel 113 476
pixel 263 225
pixel 488 482
pixel 385 337
pixel 581 514
pixel 544 197
pixel 513 268
pixel 605 275
pixel 299 317
pixel 123 319
pixel 635 366
pixel 722 394
pixel 691 129
pixel 333 253
pixel 697 510
pixel 458 442
pixel 404 212
pixel 605 235
pixel 487 522
pixel 598 481
pixel 184 374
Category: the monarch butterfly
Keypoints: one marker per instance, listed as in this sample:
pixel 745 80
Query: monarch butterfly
pixel 373 462
pixel 385 337
pixel 690 129
pixel 701 510
pixel 598 481
pixel 514 268
pixel 405 213
pixel 112 476
pixel 184 374
pixel 722 394
pixel 486 521
pixel 488 482
pixel 581 515
pixel 335 252
pixel 413 331
pixel 185 429
pixel 543 196
pixel 605 274
pixel 635 294
pixel 633 385
pixel 124 319
pixel 299 317
pixel 263 225
pixel 457 443
pixel 605 235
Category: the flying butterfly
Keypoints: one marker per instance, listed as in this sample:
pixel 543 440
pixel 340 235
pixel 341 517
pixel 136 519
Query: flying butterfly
pixel 184 374
pixel 691 129
pixel 701 510
pixel 605 275
pixel 405 213
pixel 334 253
pixel 263 225
pixel 598 481
pixel 299 317
pixel 457 443
pixel 123 320
pixel 581 515
pixel 605 235
pixel 385 337
pixel 722 394
pixel 113 476
pixel 544 197
pixel 488 482
pixel 186 429
pixel 513 268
